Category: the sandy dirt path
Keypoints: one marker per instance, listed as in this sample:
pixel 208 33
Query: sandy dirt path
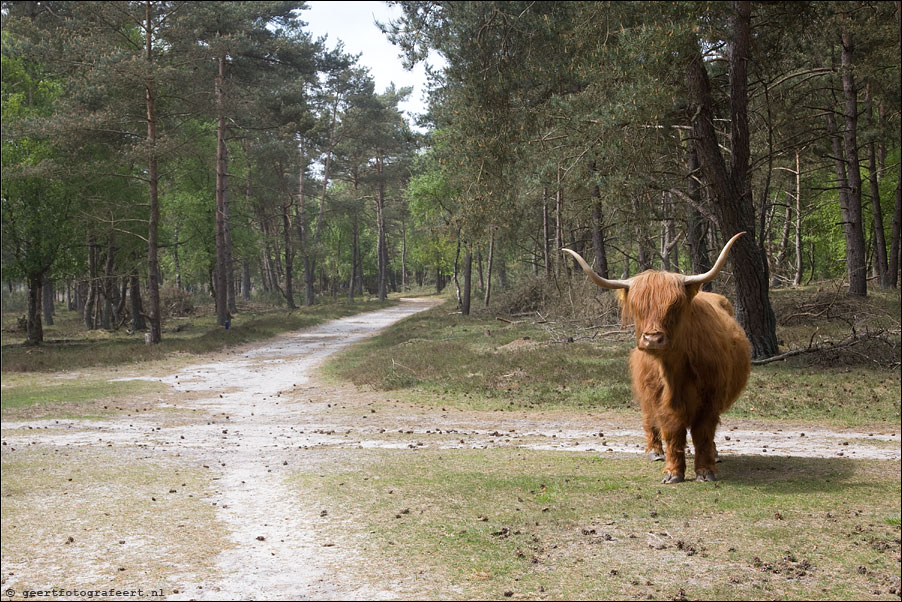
pixel 261 414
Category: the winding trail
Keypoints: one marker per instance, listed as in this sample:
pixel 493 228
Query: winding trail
pixel 275 556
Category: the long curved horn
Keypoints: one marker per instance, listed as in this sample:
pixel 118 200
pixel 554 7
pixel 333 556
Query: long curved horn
pixel 602 282
pixel 712 273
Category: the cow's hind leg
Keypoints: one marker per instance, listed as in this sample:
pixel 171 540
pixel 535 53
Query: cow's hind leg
pixel 705 451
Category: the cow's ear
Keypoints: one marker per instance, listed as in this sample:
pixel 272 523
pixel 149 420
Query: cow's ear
pixel 624 306
pixel 692 290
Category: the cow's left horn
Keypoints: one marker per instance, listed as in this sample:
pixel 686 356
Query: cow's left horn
pixel 602 282
pixel 712 273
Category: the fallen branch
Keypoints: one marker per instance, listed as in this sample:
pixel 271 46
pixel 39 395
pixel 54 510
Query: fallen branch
pixel 849 341
pixel 500 319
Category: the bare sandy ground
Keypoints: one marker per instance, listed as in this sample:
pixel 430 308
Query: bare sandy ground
pixel 258 414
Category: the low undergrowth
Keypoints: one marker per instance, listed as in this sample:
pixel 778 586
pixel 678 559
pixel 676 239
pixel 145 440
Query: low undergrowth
pixel 530 360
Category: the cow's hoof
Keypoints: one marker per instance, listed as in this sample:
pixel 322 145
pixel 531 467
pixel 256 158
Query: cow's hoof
pixel 673 477
pixel 705 475
pixel 655 456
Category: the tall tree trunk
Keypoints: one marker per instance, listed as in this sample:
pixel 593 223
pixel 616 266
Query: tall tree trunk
pixel 380 230
pixel 248 190
pixel 245 280
pixel 221 281
pixel 289 258
pixel 545 233
pixel 784 244
pixel 457 271
pixel 153 263
pixel 893 270
pixel 468 282
pixel 355 236
pixel 34 330
pixel 643 256
pixel 286 231
pixel 312 253
pixel 734 205
pixel 229 265
pixel 120 308
pixel 359 265
pixel 894 243
pixel 175 256
pixel 856 256
pixel 880 258
pixel 137 309
pixel 488 282
pixel 91 297
pixel 598 242
pixel 600 261
pixel 797 279
pixel 47 300
pixel 309 297
pixel 697 225
pixel 403 255
pixel 559 214
pixel 111 287
pixel 669 257
pixel 844 193
pixel 265 267
pixel 479 269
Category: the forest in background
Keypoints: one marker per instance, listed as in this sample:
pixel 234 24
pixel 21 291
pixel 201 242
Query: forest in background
pixel 152 149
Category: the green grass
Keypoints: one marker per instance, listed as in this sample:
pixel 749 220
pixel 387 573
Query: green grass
pixel 27 394
pixel 480 363
pixel 477 362
pixel 477 524
pixel 68 346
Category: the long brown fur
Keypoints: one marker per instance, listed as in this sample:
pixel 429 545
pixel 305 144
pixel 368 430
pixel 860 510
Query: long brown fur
pixel 687 384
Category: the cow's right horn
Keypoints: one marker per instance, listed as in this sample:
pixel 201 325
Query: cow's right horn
pixel 712 273
pixel 602 282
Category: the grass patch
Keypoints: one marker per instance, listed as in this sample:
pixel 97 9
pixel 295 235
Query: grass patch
pixel 101 519
pixel 490 524
pixel 27 393
pixel 477 362
pixel 68 346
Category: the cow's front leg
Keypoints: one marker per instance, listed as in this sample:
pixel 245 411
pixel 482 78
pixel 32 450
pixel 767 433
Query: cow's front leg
pixel 654 451
pixel 675 455
pixel 705 452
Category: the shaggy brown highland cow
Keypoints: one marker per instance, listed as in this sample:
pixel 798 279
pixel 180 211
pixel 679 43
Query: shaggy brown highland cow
pixel 691 361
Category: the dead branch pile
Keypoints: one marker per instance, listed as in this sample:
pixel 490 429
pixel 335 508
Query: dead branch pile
pixel 889 339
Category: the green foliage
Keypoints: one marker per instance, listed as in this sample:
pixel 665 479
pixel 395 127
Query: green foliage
pixel 36 203
pixel 543 113
pixel 430 201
